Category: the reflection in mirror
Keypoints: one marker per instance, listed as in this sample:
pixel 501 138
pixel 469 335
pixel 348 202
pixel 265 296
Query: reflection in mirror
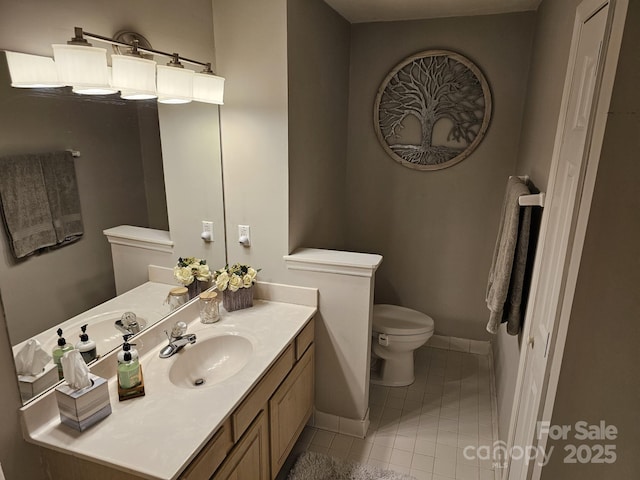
pixel 120 182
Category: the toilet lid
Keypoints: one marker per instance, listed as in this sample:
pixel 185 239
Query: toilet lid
pixel 396 320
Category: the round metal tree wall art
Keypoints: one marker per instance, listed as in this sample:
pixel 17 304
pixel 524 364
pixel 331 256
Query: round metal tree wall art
pixel 432 110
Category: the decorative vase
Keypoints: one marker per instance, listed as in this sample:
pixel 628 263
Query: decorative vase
pixel 196 288
pixel 241 298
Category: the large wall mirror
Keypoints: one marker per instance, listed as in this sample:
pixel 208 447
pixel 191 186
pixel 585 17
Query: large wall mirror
pixel 139 165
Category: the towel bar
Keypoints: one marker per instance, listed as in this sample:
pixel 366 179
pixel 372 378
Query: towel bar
pixel 533 200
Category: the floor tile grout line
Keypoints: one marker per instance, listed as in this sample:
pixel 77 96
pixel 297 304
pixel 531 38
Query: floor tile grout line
pixel 452 380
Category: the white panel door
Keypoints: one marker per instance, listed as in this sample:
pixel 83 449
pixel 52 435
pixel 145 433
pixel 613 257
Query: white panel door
pixel 561 210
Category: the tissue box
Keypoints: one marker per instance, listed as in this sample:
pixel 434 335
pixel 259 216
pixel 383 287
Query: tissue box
pixel 80 409
pixel 32 385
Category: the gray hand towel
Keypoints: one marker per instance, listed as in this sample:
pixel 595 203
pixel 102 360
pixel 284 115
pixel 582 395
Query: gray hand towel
pixel 25 206
pixel 500 276
pixel 62 190
pixel 513 314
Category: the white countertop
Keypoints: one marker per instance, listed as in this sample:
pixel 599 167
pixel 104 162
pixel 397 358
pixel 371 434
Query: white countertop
pixel 156 436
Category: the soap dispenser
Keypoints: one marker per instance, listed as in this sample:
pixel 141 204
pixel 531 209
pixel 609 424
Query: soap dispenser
pixel 128 369
pixel 126 347
pixel 87 347
pixel 59 351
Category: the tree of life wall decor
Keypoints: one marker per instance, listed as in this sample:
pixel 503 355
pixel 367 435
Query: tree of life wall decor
pixel 432 110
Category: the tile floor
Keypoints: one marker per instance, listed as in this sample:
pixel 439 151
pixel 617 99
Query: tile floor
pixel 423 429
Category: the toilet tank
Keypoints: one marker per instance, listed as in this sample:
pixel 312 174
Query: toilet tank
pixel 133 249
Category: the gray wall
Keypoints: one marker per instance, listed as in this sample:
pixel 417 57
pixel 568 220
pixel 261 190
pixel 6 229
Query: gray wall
pixel 112 192
pixel 598 378
pixel 31 26
pixel 318 82
pixel 193 179
pixel 435 229
pixel 251 45
pixel 553 30
pixel 151 153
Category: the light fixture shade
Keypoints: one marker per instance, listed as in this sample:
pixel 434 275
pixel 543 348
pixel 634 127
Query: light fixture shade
pixel 135 77
pixel 208 88
pixel 32 71
pixel 84 68
pixel 175 84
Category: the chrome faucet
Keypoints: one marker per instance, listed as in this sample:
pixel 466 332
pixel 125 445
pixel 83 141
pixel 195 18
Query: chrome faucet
pixel 178 338
pixel 128 324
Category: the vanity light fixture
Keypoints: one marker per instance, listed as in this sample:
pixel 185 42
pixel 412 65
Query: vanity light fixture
pixel 207 87
pixel 175 83
pixel 134 75
pixel 82 66
pixel 32 71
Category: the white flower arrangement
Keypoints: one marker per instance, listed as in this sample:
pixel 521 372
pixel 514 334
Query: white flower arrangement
pixel 190 269
pixel 235 277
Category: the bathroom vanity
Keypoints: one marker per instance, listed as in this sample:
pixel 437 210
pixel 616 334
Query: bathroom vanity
pixel 196 422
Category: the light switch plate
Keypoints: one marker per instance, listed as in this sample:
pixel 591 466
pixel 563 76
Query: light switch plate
pixel 244 235
pixel 207 231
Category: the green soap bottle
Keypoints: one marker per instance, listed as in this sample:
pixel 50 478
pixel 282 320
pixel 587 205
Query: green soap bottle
pixel 59 351
pixel 128 371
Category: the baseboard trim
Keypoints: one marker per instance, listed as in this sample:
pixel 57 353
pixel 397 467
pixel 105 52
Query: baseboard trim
pixel 334 423
pixel 458 344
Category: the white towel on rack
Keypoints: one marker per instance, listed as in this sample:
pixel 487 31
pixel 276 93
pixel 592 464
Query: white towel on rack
pixel 506 277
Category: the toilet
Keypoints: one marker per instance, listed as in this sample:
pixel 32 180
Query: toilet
pixel 397 332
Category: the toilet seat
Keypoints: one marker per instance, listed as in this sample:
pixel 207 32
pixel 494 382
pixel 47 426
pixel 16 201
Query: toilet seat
pixel 395 320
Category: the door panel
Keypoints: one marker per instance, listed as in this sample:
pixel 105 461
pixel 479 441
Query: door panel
pixel 561 208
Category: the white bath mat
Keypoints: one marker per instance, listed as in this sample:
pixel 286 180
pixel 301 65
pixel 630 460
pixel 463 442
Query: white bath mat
pixel 316 466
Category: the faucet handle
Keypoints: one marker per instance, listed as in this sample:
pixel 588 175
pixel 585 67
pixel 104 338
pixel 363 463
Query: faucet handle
pixel 179 329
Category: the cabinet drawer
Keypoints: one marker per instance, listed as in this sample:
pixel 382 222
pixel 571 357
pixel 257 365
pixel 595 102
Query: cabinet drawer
pixel 211 456
pixel 305 338
pixel 259 396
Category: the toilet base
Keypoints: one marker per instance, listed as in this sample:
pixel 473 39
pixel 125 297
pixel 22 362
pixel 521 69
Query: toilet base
pixel 394 372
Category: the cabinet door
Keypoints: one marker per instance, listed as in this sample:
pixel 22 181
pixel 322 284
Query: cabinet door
pixel 290 408
pixel 249 459
pixel 211 456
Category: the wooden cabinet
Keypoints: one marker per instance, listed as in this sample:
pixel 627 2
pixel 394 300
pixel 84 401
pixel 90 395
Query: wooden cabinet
pixel 283 400
pixel 254 441
pixel 211 455
pixel 257 399
pixel 249 459
pixel 289 409
pixel 305 338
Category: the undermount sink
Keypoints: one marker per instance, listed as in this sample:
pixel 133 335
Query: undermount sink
pixel 210 361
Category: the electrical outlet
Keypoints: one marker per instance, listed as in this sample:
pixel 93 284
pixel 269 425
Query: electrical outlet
pixel 207 231
pixel 244 235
